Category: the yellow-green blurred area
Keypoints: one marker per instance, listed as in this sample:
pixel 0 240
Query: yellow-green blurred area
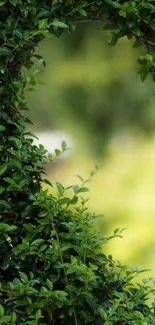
pixel 94 96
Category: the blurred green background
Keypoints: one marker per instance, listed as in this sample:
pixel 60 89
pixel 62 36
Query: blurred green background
pixel 94 98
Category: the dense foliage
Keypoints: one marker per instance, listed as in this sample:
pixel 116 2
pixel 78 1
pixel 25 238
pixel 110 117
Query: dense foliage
pixel 52 269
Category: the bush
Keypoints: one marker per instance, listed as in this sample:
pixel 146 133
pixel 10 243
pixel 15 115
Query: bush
pixel 52 269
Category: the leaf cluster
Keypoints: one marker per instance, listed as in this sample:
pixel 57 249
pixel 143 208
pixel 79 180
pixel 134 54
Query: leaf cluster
pixel 55 272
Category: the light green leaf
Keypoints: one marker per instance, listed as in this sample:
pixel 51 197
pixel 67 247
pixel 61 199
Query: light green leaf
pixel 11 228
pixel 1 311
pixel 64 145
pixel 43 23
pixel 37 241
pixel 83 189
pixel 2 128
pixel 23 277
pixel 75 188
pixel 13 317
pixel 49 284
pixel 59 24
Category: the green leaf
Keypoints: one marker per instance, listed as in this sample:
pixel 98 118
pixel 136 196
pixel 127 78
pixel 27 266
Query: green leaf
pixel 43 13
pixel 1 311
pixel 43 214
pixel 60 188
pixel 13 2
pixel 2 128
pixel 2 2
pixel 59 24
pixel 43 23
pixel 3 168
pixel 5 204
pixel 81 178
pixel 65 248
pixel 5 51
pixel 103 314
pixel 47 182
pixel 143 71
pixel 74 200
pixel 113 40
pixel 42 248
pixel 11 228
pixel 17 142
pixel 38 315
pixel 149 57
pixel 37 241
pixel 22 302
pixel 64 146
pixel 22 183
pixel 75 188
pixel 149 6
pixel 57 152
pixel 13 317
pixel 2 189
pixel 9 180
pixel 23 277
pixel 152 25
pixel 49 284
pixel 18 34
pixel 83 189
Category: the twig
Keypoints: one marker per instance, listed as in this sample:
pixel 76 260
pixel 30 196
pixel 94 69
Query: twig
pixel 3 45
pixel 92 20
pixel 10 299
pixel 147 41
pixel 20 312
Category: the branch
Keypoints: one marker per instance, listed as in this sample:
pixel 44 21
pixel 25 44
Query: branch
pixel 93 20
pixel 110 22
pixel 10 299
pixel 3 45
pixel 147 41
pixel 20 312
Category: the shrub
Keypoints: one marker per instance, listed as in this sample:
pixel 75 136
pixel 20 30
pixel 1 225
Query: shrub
pixel 52 268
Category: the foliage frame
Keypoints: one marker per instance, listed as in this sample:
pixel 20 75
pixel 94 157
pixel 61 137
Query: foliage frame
pixel 52 268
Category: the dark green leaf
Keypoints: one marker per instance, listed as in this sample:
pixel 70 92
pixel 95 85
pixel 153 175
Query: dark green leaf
pixel 3 168
pixel 2 128
pixel 2 2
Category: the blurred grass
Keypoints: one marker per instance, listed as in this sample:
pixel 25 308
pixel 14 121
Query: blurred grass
pixel 124 191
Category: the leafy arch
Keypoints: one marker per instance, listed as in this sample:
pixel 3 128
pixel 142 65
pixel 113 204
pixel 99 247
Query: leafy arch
pixel 52 269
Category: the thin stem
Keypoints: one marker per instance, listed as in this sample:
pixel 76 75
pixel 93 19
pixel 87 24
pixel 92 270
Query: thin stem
pixel 3 45
pixel 20 312
pixel 10 299
pixel 147 41
pixel 85 251
pixel 75 318
pixel 95 20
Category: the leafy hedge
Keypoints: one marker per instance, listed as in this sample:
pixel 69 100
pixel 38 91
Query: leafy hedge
pixel 52 268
